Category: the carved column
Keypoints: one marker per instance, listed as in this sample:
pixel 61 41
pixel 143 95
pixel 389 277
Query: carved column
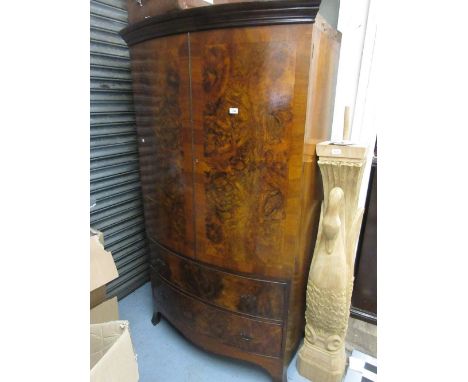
pixel 322 357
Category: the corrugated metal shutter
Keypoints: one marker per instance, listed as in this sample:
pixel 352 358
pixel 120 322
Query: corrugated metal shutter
pixel 115 179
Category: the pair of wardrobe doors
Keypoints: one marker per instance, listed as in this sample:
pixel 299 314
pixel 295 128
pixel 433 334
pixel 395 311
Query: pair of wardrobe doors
pixel 220 120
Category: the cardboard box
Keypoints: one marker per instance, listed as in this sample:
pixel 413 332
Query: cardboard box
pixel 103 270
pixel 106 311
pixel 100 235
pixel 97 296
pixel 112 356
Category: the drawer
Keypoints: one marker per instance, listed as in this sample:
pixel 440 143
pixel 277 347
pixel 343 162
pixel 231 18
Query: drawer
pixel 196 318
pixel 258 298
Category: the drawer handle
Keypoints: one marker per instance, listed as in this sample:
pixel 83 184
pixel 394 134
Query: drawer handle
pixel 245 337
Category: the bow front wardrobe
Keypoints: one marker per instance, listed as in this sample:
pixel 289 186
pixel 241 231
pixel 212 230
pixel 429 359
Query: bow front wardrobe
pixel 230 101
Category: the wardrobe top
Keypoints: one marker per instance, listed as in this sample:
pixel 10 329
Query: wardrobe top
pixel 222 16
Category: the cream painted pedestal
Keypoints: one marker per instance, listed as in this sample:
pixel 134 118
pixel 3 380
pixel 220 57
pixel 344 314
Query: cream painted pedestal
pixel 322 357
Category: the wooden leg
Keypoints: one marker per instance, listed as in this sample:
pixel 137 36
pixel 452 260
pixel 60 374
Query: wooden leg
pixel 280 375
pixel 156 318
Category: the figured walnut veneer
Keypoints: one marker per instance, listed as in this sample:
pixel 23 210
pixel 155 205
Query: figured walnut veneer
pixel 232 201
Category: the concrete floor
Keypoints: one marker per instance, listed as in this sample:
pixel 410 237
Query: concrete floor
pixel 164 355
pixel 361 336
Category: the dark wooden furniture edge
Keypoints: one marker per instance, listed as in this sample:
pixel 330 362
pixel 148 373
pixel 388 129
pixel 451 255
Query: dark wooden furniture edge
pixel 363 315
pixel 222 16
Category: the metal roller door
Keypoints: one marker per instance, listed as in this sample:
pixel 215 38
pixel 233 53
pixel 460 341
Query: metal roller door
pixel 115 179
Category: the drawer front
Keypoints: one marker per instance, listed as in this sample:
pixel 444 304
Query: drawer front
pixel 258 298
pixel 191 316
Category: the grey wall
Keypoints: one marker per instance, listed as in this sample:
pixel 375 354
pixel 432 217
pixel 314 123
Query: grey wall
pixel 329 9
pixel 115 178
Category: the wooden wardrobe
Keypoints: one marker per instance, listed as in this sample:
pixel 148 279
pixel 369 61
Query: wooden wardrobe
pixel 230 101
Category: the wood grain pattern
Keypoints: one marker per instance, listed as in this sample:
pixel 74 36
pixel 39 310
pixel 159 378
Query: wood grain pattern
pixel 248 168
pixel 192 316
pixel 161 86
pixel 254 297
pixel 232 200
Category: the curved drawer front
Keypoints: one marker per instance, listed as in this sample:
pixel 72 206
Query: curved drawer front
pixel 259 298
pixel 191 316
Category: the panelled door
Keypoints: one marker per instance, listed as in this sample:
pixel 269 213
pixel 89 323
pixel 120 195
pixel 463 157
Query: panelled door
pixel 161 85
pixel 249 90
